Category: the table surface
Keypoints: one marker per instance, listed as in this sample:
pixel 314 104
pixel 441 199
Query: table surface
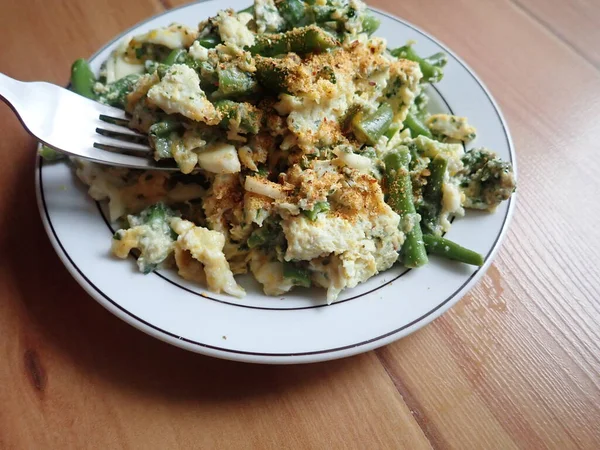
pixel 515 364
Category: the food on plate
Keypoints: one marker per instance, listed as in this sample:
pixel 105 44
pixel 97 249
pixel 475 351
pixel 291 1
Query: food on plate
pixel 306 152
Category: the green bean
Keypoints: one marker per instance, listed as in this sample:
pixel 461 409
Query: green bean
pixel 443 247
pixel 234 83
pixel 431 73
pixel 293 12
pixel 161 136
pixel 369 129
pixel 416 127
pixel 49 154
pixel 246 115
pixel 299 276
pixel 432 194
pixel 318 208
pixel 176 56
pixel 370 24
pixel 260 237
pixel 209 41
pixel 439 59
pixel 209 78
pixel 322 13
pixel 272 74
pixel 83 79
pixel 303 40
pixel 400 192
pixel 392 130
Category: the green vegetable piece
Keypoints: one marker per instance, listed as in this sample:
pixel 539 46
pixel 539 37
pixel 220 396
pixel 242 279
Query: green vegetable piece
pixel 432 195
pixel 432 72
pixel 392 130
pixel 162 136
pixel 272 74
pixel 439 59
pixel 209 41
pixel 318 208
pixel 83 79
pixel 369 129
pixel 261 236
pixel 370 24
pixel 419 108
pixel 49 154
pixel 233 82
pixel 116 92
pixel 303 40
pixel 293 12
pixel 400 199
pixel 299 276
pixel 437 245
pixel 322 13
pixel 486 180
pixel 416 127
pixel 176 56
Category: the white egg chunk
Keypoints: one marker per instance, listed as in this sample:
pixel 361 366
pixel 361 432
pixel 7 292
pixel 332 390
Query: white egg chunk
pixel 450 126
pixel 308 240
pixel 219 158
pixel 206 246
pixel 173 36
pixel 179 92
pixel 103 185
pixel 198 52
pixel 352 160
pixel 262 186
pixel 117 67
pixel 233 31
pixel 267 16
pixel 452 199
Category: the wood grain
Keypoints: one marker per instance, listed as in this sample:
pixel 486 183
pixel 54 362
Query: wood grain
pixel 574 22
pixel 522 348
pixel 514 365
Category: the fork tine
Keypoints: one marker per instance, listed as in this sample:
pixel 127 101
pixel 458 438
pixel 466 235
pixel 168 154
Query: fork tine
pixel 117 145
pixel 124 136
pixel 102 156
pixel 118 121
pixel 113 128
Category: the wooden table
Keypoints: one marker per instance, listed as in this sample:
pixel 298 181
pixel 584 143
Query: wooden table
pixel 514 365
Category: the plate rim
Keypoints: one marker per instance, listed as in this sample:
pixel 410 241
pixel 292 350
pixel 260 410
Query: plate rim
pixel 281 358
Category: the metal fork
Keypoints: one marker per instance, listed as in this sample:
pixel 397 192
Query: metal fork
pixel 76 125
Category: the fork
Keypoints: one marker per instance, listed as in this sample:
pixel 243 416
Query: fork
pixel 76 125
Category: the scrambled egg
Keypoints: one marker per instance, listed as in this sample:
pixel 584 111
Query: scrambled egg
pixel 206 247
pixel 280 131
pixel 453 127
pixel 179 92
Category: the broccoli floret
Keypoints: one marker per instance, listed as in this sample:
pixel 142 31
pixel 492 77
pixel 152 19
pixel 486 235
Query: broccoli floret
pixel 485 179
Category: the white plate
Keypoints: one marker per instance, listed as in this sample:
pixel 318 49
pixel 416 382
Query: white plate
pixel 299 328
